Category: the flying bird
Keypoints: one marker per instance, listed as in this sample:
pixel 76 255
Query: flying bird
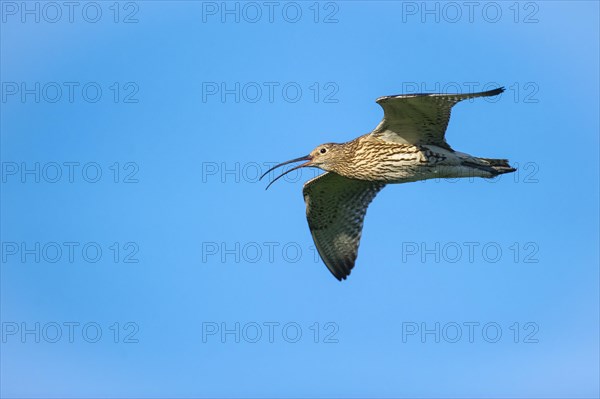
pixel 408 145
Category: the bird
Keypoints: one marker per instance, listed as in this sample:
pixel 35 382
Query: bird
pixel 408 145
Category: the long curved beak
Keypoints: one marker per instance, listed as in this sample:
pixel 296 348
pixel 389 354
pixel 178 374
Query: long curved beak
pixel 307 158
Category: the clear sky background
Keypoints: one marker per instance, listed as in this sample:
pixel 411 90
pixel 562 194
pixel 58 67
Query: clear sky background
pixel 461 288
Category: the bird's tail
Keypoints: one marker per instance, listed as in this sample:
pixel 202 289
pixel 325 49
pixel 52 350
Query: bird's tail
pixel 500 166
pixel 494 166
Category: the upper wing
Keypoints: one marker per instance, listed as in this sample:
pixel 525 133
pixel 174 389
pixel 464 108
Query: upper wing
pixel 420 118
pixel 335 210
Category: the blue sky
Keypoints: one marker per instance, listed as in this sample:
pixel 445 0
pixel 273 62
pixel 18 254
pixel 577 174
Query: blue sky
pixel 141 256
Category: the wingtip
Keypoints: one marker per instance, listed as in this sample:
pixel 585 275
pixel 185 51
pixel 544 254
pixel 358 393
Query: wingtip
pixel 342 272
pixel 494 92
pixel 341 278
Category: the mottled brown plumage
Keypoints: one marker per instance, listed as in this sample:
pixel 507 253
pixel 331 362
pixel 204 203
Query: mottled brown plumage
pixel 335 210
pixel 408 145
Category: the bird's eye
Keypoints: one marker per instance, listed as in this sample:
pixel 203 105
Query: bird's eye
pixel 323 150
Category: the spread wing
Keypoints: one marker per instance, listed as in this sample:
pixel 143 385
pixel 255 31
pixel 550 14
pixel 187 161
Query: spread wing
pixel 420 118
pixel 335 210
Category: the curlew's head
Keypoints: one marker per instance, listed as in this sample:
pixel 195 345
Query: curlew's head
pixel 323 157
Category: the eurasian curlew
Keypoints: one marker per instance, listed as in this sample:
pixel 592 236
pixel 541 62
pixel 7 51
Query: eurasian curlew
pixel 408 145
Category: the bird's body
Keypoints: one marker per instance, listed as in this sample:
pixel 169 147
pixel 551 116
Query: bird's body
pixel 408 145
pixel 374 159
